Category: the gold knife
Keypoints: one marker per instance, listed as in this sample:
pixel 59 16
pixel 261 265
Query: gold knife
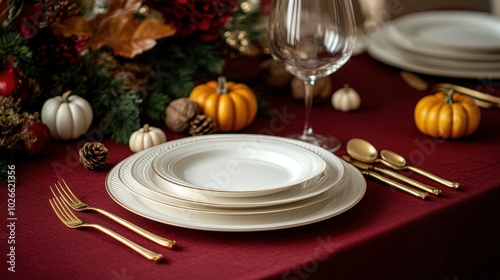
pixel 417 184
pixel 365 170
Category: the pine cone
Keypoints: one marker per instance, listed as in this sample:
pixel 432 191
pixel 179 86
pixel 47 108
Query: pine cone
pixel 94 155
pixel 179 113
pixel 201 125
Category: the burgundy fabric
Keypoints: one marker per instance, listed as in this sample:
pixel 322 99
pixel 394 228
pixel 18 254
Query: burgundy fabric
pixel 388 235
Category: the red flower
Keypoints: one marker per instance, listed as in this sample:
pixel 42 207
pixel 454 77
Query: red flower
pixel 201 18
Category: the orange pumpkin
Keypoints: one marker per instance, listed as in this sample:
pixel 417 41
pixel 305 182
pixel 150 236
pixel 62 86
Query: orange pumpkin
pixel 451 115
pixel 232 106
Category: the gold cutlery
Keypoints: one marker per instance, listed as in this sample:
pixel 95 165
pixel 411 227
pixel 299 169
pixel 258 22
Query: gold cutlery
pixel 414 81
pixel 398 162
pixel 364 151
pixel 72 200
pixel 397 185
pixel 395 175
pixel 65 214
pixel 482 99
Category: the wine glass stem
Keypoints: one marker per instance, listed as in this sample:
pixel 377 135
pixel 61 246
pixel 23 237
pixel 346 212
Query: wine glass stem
pixel 308 98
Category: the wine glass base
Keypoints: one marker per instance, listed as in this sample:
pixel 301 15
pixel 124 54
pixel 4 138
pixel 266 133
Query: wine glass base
pixel 331 143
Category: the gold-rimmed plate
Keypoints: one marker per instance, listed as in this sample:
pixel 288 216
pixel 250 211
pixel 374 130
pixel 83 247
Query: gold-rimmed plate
pixel 236 166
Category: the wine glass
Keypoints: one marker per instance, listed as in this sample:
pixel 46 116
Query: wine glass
pixel 312 39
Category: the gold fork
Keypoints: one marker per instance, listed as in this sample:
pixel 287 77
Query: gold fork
pixel 72 221
pixel 72 200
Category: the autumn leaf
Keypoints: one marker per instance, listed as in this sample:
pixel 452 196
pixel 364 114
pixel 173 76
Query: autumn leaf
pixel 73 26
pixel 130 37
pixel 118 29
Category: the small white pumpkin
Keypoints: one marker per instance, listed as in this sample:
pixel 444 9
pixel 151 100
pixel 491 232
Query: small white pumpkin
pixel 346 99
pixel 68 117
pixel 146 137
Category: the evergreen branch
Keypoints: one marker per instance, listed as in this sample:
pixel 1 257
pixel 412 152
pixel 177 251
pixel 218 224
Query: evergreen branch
pixel 13 48
pixel 125 117
pixel 106 95
pixel 156 103
pixel 206 58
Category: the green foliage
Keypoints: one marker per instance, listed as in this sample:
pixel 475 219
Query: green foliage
pixel 106 97
pixel 156 103
pixel 125 117
pixel 13 48
pixel 72 78
pixel 114 101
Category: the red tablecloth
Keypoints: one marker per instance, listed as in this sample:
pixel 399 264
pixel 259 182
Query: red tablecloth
pixel 388 235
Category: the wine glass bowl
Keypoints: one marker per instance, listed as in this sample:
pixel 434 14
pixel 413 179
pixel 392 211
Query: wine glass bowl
pixel 312 39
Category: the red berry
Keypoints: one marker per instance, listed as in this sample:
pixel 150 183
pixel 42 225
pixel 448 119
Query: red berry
pixel 8 83
pixel 41 132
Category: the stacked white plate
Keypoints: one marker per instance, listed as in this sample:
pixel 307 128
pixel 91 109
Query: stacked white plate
pixel 459 44
pixel 236 182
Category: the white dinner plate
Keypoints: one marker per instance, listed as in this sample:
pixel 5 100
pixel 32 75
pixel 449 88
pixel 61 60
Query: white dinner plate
pixel 140 192
pixel 316 212
pixel 435 61
pixel 460 30
pixel 381 50
pixel 237 166
pixel 397 39
pixel 140 178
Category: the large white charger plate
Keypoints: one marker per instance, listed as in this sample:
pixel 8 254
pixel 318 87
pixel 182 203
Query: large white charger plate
pixel 138 178
pixel 460 30
pixel 383 51
pixel 152 210
pixel 237 166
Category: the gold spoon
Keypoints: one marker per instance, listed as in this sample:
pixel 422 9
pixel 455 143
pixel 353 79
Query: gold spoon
pixel 367 169
pixel 363 151
pixel 399 162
